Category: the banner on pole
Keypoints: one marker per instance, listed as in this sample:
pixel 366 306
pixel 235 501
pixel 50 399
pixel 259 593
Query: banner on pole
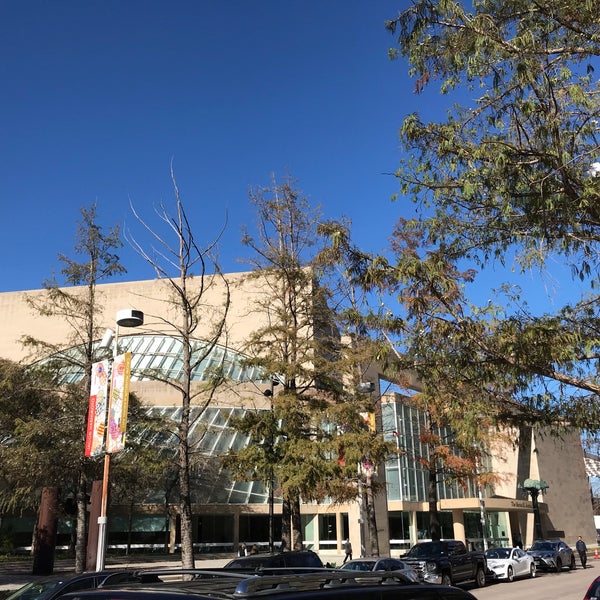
pixel 119 403
pixel 96 422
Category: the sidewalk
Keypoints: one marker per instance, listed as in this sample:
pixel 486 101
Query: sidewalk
pixel 15 574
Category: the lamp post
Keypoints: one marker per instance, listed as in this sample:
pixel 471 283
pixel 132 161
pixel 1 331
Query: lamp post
pixel 125 318
pixel 269 394
pixel 533 487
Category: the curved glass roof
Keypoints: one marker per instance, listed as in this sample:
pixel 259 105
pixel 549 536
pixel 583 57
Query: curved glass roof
pixel 159 357
pixel 211 432
pixel 212 435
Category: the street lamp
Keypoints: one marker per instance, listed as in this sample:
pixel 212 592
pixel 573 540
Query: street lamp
pixel 125 318
pixel 269 394
pixel 533 487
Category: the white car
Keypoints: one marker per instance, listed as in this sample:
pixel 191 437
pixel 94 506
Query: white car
pixel 508 563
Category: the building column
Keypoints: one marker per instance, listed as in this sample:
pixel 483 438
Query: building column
pixel 412 527
pixel 172 532
pixel 458 523
pixel 316 534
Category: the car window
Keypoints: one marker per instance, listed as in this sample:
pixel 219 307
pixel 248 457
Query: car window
pixel 34 590
pixel 80 584
pixel 359 565
pixel 542 546
pixel 303 560
pixel 425 550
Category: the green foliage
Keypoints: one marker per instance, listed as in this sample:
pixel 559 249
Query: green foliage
pixel 77 304
pixel 509 168
pixel 507 173
pixel 312 440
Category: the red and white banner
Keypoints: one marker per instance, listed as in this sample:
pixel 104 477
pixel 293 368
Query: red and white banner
pixel 119 403
pixel 94 438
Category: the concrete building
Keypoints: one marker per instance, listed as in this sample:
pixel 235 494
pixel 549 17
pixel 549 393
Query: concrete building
pixel 228 513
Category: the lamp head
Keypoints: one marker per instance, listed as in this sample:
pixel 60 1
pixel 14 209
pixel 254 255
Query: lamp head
pixel 129 317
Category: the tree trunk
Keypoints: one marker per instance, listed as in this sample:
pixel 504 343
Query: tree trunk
pixel 297 524
pixel 45 532
pixel 371 517
pixel 434 517
pixel 187 534
pixel 129 529
pixel 286 525
pixel 81 532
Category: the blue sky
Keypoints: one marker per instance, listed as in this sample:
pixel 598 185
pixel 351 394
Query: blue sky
pixel 98 97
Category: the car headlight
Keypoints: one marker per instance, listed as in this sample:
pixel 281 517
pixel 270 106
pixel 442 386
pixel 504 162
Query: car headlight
pixel 430 567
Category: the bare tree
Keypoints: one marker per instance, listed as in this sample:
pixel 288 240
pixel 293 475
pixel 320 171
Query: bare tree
pixel 182 264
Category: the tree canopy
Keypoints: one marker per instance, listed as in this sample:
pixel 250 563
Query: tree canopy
pixel 509 171
pixel 513 161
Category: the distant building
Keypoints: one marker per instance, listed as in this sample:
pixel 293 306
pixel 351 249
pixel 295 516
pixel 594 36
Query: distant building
pixel 228 513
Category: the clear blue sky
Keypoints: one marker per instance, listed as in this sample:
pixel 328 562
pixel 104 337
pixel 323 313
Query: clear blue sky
pixel 98 97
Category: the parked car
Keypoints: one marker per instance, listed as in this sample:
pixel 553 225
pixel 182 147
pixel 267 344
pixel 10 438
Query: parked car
pixel 381 564
pixel 593 592
pixel 552 555
pixel 509 563
pixel 447 562
pixel 300 559
pixel 54 586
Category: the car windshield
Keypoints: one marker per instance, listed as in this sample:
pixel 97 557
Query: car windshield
pixel 544 546
pixel 249 562
pixel 425 550
pixel 498 553
pixel 35 590
pixel 359 565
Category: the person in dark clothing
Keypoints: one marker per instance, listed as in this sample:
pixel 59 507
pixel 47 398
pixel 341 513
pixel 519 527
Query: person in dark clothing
pixel 582 551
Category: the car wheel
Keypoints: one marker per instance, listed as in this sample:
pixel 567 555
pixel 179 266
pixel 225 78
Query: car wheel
pixel 532 570
pixel 446 579
pixel 572 565
pixel 510 576
pixel 480 578
pixel 558 565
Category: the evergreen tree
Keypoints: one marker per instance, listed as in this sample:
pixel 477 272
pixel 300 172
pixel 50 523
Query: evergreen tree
pixel 75 299
pixel 313 438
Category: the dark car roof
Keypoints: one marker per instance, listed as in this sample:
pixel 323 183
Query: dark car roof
pixel 294 558
pixel 53 586
pixel 331 585
pixel 372 562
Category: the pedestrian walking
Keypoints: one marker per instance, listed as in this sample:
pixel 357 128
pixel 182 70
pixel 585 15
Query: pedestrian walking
pixel 347 551
pixel 582 551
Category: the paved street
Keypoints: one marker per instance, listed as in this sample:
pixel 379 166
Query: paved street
pixel 568 585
